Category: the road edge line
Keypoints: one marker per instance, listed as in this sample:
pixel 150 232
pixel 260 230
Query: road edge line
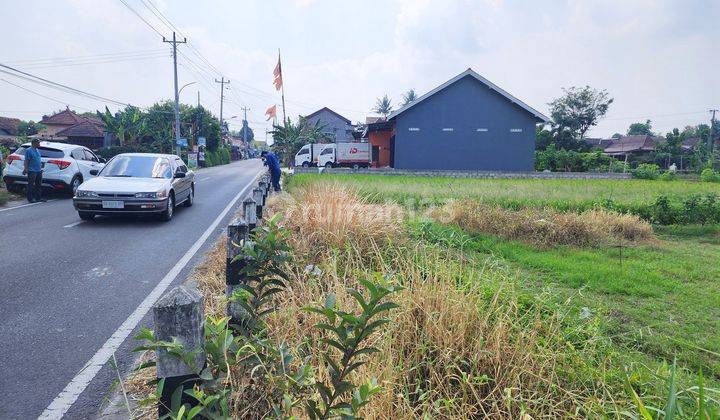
pixel 67 397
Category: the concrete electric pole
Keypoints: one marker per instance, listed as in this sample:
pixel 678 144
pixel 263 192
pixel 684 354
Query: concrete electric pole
pixel 174 43
pixel 245 124
pixel 711 138
pixel 222 82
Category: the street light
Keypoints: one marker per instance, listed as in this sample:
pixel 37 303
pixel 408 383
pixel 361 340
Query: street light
pixel 184 86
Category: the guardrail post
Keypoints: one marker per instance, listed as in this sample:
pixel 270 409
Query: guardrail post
pixel 268 185
pixel 179 315
pixel 263 185
pixel 250 209
pixel 259 202
pixel 238 234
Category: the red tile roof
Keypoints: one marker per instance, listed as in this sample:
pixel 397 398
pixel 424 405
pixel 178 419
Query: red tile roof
pixel 86 128
pixel 69 117
pixel 10 125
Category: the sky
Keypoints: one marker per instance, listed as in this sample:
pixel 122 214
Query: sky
pixel 658 59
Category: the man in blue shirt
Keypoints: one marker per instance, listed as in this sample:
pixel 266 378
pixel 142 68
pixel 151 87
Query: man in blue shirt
pixel 271 161
pixel 33 168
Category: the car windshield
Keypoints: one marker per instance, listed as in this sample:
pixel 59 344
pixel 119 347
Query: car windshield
pixel 138 167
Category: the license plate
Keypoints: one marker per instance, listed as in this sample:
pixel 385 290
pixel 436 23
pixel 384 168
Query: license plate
pixel 113 204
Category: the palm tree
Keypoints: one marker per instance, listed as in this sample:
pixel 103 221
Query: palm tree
pixel 289 138
pixel 383 106
pixel 408 97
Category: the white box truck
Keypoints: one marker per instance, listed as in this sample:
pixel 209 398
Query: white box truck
pixel 308 154
pixel 356 155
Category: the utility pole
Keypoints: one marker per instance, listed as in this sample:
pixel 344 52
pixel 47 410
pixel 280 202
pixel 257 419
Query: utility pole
pixel 711 138
pixel 245 124
pixel 174 42
pixel 222 82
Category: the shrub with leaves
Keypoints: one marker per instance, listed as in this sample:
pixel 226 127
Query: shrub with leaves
pixel 709 175
pixel 347 334
pixel 646 171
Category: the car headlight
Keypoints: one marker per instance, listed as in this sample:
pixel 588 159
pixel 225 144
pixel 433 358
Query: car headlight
pixel 81 193
pixel 145 195
pixel 161 194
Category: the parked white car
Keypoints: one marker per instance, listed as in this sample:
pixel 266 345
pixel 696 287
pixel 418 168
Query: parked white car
pixel 137 183
pixel 65 166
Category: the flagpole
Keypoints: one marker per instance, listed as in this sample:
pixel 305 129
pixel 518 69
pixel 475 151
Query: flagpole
pixel 282 90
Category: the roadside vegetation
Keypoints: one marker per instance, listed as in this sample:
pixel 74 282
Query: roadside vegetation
pixel 612 318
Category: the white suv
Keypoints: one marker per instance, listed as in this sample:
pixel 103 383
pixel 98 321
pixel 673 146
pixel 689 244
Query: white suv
pixel 65 166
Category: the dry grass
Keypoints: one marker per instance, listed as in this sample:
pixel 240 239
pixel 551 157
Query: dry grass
pixel 330 217
pixel 461 344
pixel 544 227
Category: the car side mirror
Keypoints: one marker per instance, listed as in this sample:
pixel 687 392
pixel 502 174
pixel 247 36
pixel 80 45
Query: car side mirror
pixel 102 160
pixel 179 174
pixel 94 172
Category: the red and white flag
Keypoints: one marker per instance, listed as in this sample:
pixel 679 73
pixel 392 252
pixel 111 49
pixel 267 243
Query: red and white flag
pixel 271 112
pixel 278 74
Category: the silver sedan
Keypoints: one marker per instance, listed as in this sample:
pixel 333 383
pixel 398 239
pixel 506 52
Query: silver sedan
pixel 137 183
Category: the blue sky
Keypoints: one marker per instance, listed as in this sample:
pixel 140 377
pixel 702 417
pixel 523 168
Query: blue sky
pixel 657 58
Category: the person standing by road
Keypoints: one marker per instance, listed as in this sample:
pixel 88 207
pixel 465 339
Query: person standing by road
pixel 33 168
pixel 271 161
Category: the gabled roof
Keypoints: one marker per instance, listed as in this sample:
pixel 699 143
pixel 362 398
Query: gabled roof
pixel 626 144
pixel 330 111
pixel 10 125
pixel 86 128
pixel 476 76
pixel 66 117
pixel 69 117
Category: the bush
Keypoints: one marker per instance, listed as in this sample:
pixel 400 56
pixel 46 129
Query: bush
pixel 544 227
pixel 668 176
pixel 709 175
pixel 646 171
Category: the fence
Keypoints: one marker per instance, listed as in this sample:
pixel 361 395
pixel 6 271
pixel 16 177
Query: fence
pixel 179 313
pixel 469 174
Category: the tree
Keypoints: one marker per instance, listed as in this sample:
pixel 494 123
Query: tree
pixel 383 106
pixel 246 129
pixel 29 128
pixel 616 136
pixel 127 125
pixel 640 129
pixel 543 138
pixel 289 138
pixel 578 110
pixel 408 97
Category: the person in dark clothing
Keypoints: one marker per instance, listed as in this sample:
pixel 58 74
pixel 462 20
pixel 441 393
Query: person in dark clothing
pixel 271 161
pixel 33 168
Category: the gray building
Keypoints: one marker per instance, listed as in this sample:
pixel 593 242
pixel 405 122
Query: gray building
pixel 337 127
pixel 467 123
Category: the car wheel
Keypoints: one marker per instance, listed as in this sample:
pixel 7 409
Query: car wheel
pixel 329 165
pixel 191 198
pixel 168 213
pixel 306 164
pixel 356 167
pixel 74 184
pixel 86 216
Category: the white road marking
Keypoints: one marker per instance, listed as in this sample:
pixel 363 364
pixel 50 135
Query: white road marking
pixel 205 179
pixel 74 224
pixel 62 403
pixel 27 205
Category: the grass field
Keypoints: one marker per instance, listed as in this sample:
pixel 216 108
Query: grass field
pixel 562 193
pixel 654 302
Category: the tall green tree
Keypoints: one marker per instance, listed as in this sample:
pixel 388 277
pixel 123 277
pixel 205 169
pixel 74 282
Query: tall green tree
pixel 29 128
pixel 383 106
pixel 408 97
pixel 574 113
pixel 290 137
pixel 640 129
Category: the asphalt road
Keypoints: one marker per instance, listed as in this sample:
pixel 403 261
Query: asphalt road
pixel 66 286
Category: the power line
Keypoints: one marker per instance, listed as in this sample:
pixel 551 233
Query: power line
pixel 140 17
pixel 92 62
pixel 89 56
pixel 58 86
pixel 44 96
